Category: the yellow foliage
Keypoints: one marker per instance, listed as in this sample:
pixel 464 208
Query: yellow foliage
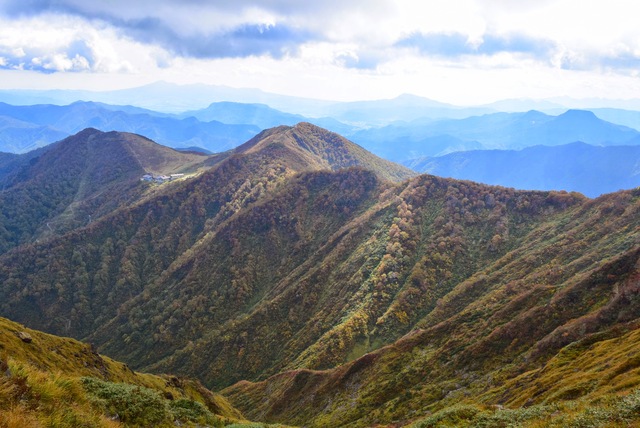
pixel 402 317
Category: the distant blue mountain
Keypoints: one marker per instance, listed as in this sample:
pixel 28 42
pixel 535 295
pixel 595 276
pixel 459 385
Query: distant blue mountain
pixel 18 136
pixel 628 118
pixel 403 108
pixel 167 97
pixel 173 98
pixel 219 127
pixel 398 148
pixel 23 128
pixel 491 131
pixel 576 167
pixel 71 118
pixel 260 115
pixel 580 125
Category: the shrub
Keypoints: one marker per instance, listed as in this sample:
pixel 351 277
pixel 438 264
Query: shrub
pixel 449 417
pixel 133 405
pixel 185 410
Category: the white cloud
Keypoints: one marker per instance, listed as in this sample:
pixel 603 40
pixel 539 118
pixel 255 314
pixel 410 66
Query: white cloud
pixel 62 43
pixel 458 50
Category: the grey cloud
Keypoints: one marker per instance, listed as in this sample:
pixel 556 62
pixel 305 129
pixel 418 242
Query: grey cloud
pixel 122 8
pixel 244 40
pixel 456 44
pixel 162 23
pixel 622 61
pixel 143 21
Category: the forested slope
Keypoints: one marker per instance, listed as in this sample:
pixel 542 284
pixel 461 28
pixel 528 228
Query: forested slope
pixel 80 179
pixel 295 263
pixel 554 318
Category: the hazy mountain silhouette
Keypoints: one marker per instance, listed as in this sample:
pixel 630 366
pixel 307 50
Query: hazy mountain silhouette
pixel 576 167
pixel 492 131
pixel 61 121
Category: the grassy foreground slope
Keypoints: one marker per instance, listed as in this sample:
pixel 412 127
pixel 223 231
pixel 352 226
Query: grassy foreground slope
pixel 47 380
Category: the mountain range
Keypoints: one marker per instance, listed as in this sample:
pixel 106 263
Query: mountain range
pixel 217 128
pixel 260 115
pixel 173 98
pixel 168 97
pixel 403 141
pixel 48 122
pixel 591 170
pixel 316 284
pixel 224 125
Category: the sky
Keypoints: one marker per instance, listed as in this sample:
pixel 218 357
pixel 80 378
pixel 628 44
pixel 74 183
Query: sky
pixel 465 52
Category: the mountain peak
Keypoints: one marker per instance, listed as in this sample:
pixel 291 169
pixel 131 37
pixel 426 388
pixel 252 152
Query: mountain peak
pixel 85 133
pixel 310 127
pixel 309 147
pixel 534 116
pixel 575 114
pixel 88 175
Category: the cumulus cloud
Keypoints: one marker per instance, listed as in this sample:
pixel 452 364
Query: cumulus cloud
pixel 80 35
pixel 188 28
pixel 244 40
pixel 52 43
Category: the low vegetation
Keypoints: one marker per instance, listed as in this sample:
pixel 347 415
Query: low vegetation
pixel 313 291
pixel 608 411
pixel 49 381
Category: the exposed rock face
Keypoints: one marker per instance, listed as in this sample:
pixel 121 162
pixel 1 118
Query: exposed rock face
pixel 25 337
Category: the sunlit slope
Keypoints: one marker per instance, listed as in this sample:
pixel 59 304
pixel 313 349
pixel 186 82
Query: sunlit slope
pixel 47 380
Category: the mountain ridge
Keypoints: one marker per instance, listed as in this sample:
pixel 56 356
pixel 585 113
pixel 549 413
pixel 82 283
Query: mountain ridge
pixel 400 142
pixel 442 349
pixel 55 122
pixel 79 179
pixel 399 299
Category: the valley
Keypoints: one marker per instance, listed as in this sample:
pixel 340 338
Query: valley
pixel 322 214
pixel 313 283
